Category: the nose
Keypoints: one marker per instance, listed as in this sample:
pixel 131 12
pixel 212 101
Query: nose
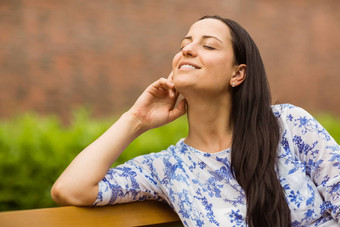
pixel 189 50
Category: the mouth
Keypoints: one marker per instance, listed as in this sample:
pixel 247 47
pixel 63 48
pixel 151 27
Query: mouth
pixel 187 66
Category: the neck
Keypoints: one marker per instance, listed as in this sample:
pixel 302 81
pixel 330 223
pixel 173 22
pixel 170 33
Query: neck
pixel 209 128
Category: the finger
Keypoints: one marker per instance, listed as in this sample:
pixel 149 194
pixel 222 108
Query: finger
pixel 172 92
pixel 165 84
pixel 170 77
pixel 179 110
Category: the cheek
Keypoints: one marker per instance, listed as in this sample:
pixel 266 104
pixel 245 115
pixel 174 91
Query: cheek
pixel 225 63
pixel 221 68
pixel 175 60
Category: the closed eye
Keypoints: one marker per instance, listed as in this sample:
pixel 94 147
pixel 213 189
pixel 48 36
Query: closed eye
pixel 209 47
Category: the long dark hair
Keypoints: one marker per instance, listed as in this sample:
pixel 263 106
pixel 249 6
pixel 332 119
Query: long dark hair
pixel 256 136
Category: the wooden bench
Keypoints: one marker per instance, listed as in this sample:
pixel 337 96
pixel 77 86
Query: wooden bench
pixel 146 213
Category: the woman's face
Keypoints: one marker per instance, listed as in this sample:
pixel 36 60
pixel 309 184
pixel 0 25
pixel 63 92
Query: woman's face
pixel 205 62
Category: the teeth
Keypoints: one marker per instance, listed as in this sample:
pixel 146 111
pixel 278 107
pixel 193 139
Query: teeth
pixel 188 66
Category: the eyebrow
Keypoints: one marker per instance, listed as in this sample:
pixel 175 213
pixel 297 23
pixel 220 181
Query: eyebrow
pixel 204 37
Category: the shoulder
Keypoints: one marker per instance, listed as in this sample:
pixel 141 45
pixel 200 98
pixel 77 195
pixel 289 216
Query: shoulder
pixel 295 119
pixel 299 122
pixel 289 112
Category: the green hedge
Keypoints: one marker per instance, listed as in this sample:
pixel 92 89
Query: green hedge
pixel 34 150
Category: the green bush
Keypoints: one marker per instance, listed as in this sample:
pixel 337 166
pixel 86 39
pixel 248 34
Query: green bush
pixel 331 124
pixel 34 150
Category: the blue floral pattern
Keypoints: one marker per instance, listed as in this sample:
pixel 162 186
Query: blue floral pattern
pixel 200 186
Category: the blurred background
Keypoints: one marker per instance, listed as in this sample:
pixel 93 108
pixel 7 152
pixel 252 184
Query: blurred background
pixel 69 68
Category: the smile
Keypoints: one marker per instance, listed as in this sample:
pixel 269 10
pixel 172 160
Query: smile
pixel 186 66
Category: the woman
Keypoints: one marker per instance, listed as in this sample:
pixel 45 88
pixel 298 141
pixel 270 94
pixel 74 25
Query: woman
pixel 243 161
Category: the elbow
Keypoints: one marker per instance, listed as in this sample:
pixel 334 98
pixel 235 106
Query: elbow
pixel 65 195
pixel 60 196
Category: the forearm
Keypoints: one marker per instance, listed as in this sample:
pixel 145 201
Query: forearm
pixel 78 184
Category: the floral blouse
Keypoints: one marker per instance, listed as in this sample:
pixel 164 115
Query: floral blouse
pixel 201 189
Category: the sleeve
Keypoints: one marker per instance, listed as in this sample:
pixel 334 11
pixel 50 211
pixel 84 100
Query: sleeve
pixel 320 154
pixel 134 180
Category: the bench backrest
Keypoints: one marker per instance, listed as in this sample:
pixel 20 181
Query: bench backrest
pixel 129 214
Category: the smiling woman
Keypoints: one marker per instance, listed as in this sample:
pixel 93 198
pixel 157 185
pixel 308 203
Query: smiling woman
pixel 243 162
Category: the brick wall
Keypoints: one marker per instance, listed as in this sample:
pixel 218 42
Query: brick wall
pixel 57 55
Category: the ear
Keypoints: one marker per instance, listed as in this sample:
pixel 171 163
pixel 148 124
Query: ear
pixel 239 75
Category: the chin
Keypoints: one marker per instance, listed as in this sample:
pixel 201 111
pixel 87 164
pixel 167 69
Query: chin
pixel 185 87
pixel 181 82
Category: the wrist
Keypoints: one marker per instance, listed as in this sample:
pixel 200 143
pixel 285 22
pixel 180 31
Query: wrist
pixel 135 124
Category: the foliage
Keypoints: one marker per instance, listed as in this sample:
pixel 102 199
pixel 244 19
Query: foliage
pixel 331 124
pixel 34 150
